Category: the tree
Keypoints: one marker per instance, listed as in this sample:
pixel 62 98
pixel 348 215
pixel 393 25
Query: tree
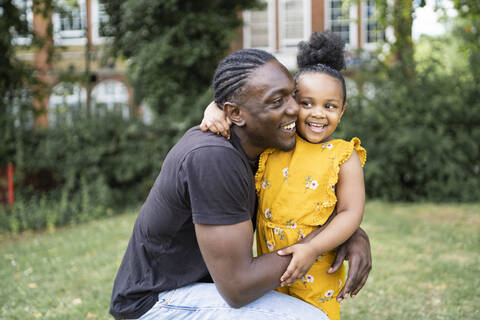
pixel 172 48
pixel 12 71
pixel 399 16
pixel 14 76
pixel 469 31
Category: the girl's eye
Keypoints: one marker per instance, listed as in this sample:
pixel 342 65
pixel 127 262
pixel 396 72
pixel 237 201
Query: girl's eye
pixel 330 106
pixel 305 104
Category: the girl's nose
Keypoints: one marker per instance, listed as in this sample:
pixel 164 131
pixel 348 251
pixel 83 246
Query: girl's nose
pixel 318 112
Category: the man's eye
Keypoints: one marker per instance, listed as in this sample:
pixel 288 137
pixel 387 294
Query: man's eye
pixel 278 101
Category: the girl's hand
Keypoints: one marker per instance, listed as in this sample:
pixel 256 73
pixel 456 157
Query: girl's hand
pixel 215 120
pixel 303 257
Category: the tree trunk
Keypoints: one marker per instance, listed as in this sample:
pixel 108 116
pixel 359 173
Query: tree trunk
pixel 403 45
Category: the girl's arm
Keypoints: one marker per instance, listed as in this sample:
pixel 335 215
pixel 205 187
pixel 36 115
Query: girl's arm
pixel 350 192
pixel 215 120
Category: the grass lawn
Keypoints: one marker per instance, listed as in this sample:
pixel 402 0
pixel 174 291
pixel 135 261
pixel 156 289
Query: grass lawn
pixel 426 266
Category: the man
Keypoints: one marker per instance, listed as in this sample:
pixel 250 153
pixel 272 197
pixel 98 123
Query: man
pixel 196 223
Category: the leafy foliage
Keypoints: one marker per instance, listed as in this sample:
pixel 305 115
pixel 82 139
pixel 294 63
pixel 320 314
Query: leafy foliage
pixel 173 47
pixel 83 167
pixel 422 135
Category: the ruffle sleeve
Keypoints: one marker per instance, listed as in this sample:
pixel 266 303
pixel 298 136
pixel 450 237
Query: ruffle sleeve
pixel 262 162
pixel 344 153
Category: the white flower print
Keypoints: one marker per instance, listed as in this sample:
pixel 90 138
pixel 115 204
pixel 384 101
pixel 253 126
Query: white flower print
pixel 301 235
pixel 339 283
pixel 268 213
pixel 279 232
pixel 313 185
pixel 329 146
pixel 285 174
pixel 329 294
pixel 265 184
pixel 333 188
pixel 291 224
pixel 270 245
pixel 308 180
pixel 307 278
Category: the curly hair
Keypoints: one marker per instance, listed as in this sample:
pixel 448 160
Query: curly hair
pixel 325 53
pixel 232 72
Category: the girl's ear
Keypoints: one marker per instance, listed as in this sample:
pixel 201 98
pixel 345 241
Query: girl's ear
pixel 344 108
pixel 234 113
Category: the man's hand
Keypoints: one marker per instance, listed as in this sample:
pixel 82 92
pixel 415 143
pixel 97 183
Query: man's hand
pixel 357 251
pixel 303 257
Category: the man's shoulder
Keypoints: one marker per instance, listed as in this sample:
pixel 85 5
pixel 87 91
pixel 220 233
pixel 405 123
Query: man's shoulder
pixel 197 141
pixel 194 137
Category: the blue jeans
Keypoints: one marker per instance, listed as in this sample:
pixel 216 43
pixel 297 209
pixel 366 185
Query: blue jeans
pixel 202 301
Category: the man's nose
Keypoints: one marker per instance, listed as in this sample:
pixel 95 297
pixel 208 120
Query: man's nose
pixel 292 108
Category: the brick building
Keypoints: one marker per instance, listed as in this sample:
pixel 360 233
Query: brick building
pixel 283 23
pixel 77 30
pixel 81 28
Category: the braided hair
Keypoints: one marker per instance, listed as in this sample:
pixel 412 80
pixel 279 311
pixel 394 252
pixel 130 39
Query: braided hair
pixel 324 53
pixel 232 72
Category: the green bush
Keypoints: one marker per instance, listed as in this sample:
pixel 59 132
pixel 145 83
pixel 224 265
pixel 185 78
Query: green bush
pixel 81 168
pixel 422 135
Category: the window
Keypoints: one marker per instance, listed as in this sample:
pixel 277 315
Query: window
pixel 342 22
pixel 72 19
pixel 373 32
pixel 103 27
pixel 70 22
pixel 294 22
pixel 24 35
pixel 259 27
pixel 111 95
pixel 66 101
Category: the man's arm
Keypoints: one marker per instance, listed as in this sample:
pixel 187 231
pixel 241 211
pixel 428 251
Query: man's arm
pixel 239 277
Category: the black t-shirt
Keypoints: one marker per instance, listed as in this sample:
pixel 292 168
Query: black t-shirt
pixel 204 179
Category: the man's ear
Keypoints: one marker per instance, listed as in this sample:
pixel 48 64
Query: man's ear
pixel 234 113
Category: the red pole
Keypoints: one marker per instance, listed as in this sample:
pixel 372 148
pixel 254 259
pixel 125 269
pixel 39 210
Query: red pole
pixel 11 197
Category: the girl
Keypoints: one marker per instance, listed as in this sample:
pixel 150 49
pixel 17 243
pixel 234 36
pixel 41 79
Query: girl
pixel 299 190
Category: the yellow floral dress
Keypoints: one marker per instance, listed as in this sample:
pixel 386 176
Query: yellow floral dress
pixel 296 192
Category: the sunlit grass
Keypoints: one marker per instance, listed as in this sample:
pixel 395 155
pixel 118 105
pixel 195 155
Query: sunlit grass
pixel 426 263
pixel 426 266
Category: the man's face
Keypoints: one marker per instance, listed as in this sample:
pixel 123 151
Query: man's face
pixel 270 109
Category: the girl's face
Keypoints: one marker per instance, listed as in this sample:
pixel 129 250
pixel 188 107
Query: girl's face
pixel 320 97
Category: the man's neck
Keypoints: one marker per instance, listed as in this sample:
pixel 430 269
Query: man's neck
pixel 250 150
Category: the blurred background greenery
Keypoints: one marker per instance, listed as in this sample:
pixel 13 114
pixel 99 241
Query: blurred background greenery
pixel 93 94
pixel 414 103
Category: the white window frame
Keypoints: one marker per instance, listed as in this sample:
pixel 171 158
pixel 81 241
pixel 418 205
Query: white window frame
pixel 352 26
pixel 367 45
pixel 95 11
pixel 291 44
pixel 21 40
pixel 70 37
pixel 247 31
